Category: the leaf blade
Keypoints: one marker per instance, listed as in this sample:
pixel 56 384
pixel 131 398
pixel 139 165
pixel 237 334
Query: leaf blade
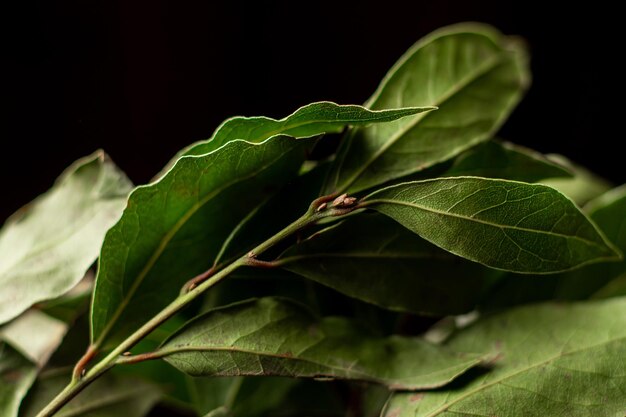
pixel 473 74
pixel 507 161
pixel 274 337
pixel 47 247
pixel 578 355
pixel 26 344
pixel 501 224
pixel 375 259
pixel 169 232
pixel 109 396
pixel 310 120
pixel 17 374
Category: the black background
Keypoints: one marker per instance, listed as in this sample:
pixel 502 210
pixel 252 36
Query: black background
pixel 142 79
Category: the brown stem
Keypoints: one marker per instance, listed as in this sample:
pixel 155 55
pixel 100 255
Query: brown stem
pixel 149 356
pixel 79 369
pixel 198 279
pixel 257 263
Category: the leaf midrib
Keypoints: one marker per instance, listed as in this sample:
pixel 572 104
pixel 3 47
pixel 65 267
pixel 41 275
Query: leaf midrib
pixel 511 375
pixel 455 89
pixel 473 219
pixel 169 236
pixel 349 372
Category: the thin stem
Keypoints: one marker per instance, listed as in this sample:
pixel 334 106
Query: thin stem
pixel 78 383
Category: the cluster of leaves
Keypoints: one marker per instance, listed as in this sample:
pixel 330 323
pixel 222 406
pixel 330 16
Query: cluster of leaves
pixel 401 292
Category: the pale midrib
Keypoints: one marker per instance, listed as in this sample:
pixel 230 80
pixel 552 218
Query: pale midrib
pixel 499 380
pixel 103 402
pixel 455 89
pixel 348 372
pixel 473 219
pixel 168 237
pixel 230 349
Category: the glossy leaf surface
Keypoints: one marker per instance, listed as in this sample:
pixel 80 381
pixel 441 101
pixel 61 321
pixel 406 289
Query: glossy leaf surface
pixel 173 229
pixel 310 120
pixel 474 74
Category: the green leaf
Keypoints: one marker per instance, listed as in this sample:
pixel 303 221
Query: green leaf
pixel 310 120
pixel 35 335
pixel 473 74
pixel 374 259
pixel 508 225
pixel 173 229
pixel 26 344
pixel 17 374
pixel 505 160
pixel 582 187
pixel 73 303
pixel 274 213
pixel 46 247
pixel 554 360
pixel 607 211
pixel 241 397
pixel 275 337
pixel 108 396
pixel 173 384
pixel 614 288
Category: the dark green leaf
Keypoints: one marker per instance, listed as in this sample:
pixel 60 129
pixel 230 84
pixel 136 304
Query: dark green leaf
pixel 174 385
pixel 505 160
pixel 274 213
pixel 310 120
pixel 275 337
pixel 472 72
pixel 173 229
pixel 374 259
pixel 554 360
pixel 108 396
pixel 26 344
pixel 241 397
pixel 47 246
pixel 514 226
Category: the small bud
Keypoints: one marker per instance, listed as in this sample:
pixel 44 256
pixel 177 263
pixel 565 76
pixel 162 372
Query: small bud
pixel 126 354
pixel 339 200
pixel 348 201
pixel 321 207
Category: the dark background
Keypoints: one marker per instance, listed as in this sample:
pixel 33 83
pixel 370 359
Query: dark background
pixel 142 79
